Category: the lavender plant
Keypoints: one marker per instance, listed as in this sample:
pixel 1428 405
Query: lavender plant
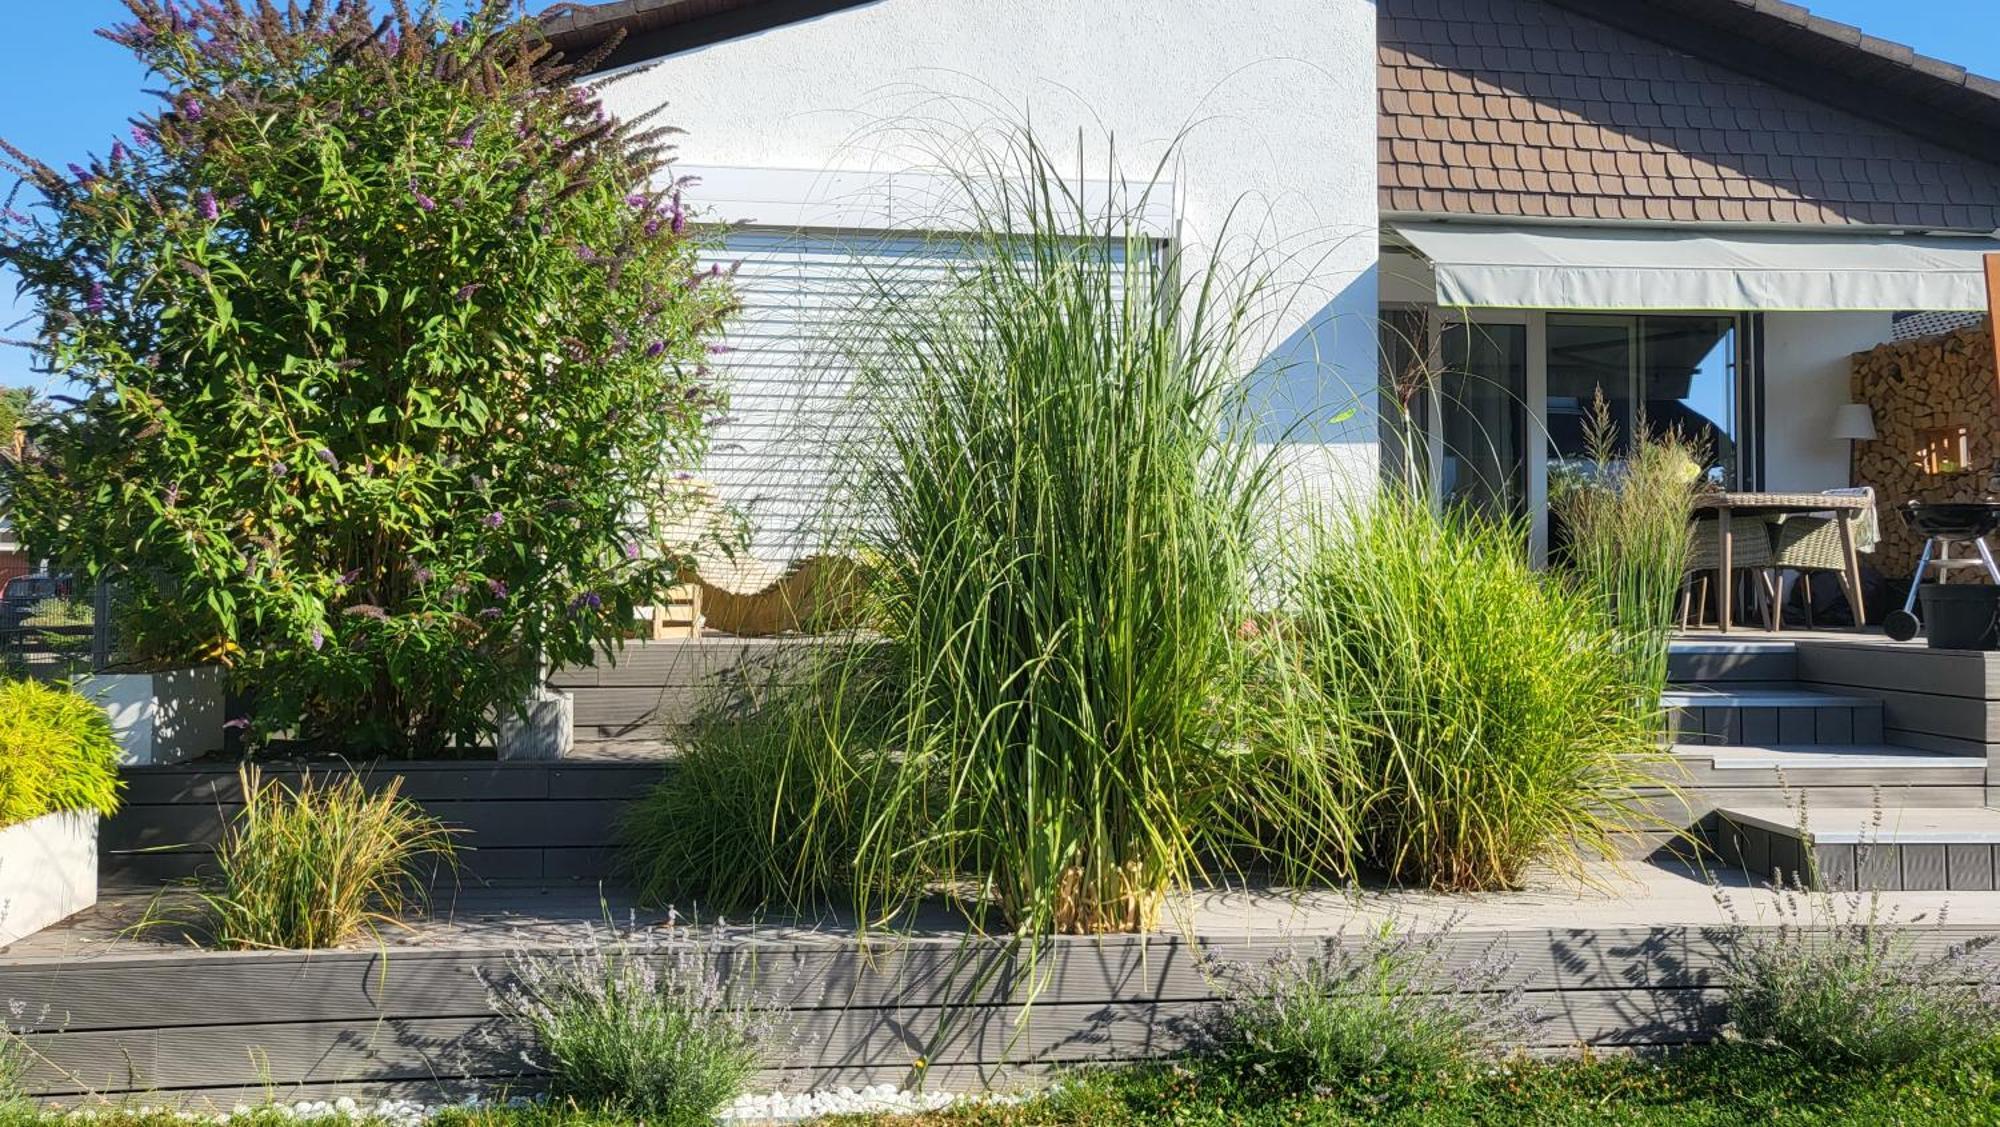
pixel 639 1028
pixel 384 340
pixel 1385 1019
pixel 1839 979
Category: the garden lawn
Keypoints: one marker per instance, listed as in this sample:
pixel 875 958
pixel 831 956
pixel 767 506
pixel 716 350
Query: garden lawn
pixel 1721 1086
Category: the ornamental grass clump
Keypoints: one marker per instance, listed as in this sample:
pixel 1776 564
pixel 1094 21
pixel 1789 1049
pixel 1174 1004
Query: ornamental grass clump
pixel 1487 707
pixel 384 339
pixel 1629 539
pixel 316 864
pixel 1378 1021
pixel 768 798
pixel 1060 493
pixel 649 1031
pixel 57 752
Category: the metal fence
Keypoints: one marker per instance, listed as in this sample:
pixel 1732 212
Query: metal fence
pixel 48 627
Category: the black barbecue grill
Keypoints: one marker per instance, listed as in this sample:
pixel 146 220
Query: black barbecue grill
pixel 1942 525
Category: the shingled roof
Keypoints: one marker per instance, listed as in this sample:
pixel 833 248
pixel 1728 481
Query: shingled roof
pixel 1530 108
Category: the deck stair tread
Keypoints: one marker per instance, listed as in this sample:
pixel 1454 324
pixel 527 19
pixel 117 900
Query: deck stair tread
pixel 1747 646
pixel 1706 696
pixel 1806 757
pixel 1907 825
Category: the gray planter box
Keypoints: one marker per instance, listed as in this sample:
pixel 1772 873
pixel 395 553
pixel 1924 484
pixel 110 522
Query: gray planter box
pixel 48 871
pixel 162 717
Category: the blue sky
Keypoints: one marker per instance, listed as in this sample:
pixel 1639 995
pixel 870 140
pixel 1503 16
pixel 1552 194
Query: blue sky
pixel 64 92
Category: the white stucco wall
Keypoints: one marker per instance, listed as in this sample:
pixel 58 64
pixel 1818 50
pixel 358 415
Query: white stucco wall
pixel 1805 377
pixel 1273 102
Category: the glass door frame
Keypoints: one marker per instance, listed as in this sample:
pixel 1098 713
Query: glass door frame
pixel 1748 420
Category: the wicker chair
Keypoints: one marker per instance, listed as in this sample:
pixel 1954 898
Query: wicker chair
pixel 1809 543
pixel 1749 550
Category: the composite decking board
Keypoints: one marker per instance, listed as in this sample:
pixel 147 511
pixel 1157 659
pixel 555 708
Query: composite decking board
pixel 178 990
pixel 1730 696
pixel 545 822
pixel 413 1016
pixel 1961 718
pixel 1765 664
pixel 1869 667
pixel 422 779
pixel 879 1041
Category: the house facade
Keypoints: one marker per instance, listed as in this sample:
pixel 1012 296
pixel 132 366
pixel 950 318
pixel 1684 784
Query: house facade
pixel 1489 210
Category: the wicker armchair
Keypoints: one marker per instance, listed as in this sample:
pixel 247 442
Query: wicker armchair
pixel 1802 545
pixel 1749 550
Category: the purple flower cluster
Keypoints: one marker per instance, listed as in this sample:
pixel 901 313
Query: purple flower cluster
pixel 497 587
pixel 94 302
pixel 494 520
pixel 205 205
pixel 465 139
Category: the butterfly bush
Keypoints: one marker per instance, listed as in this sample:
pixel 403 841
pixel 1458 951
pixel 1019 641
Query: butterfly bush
pixel 385 342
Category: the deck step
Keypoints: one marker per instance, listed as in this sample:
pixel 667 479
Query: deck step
pixel 1830 774
pixel 1823 757
pixel 1706 661
pixel 1764 714
pixel 1894 848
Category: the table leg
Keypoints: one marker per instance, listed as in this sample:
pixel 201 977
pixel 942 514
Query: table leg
pixel 1847 519
pixel 1726 589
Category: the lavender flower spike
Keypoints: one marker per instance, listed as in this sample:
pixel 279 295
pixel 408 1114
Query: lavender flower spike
pixel 205 205
pixel 495 520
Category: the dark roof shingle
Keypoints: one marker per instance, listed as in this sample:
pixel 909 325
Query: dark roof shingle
pixel 1614 125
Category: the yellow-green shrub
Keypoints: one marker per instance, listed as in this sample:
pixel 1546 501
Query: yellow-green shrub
pixel 56 753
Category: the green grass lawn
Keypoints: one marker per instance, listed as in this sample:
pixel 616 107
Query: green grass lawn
pixel 1717 1086
pixel 1714 1087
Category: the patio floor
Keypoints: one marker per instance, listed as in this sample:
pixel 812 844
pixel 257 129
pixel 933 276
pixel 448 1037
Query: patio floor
pixel 1635 895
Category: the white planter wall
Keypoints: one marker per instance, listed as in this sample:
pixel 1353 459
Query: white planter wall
pixel 48 871
pixel 162 717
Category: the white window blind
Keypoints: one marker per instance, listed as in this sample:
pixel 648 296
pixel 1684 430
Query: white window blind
pixel 793 419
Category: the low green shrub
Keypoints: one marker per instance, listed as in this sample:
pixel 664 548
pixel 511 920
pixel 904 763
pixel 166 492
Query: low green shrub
pixel 1841 981
pixel 1375 1022
pixel 1488 707
pixel 650 1032
pixel 316 865
pixel 57 752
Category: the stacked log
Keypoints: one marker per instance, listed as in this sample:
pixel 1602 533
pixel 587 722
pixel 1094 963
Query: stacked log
pixel 1917 388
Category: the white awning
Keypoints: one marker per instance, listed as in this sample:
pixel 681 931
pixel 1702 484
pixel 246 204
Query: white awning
pixel 1580 267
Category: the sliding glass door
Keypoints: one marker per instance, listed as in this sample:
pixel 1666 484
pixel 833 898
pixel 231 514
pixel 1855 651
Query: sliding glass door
pixel 1509 396
pixel 1667 373
pixel 1483 416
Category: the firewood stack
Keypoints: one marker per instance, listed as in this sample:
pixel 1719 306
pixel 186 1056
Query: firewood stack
pixel 1921 392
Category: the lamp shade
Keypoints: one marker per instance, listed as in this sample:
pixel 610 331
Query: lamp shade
pixel 1854 421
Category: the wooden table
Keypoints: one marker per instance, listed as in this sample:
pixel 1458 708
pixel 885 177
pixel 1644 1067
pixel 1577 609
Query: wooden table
pixel 1848 507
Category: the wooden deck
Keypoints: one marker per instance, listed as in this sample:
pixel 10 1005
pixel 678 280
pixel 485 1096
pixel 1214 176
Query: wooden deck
pixel 1631 962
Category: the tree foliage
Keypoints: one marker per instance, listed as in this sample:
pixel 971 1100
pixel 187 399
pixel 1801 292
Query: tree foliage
pixel 389 343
